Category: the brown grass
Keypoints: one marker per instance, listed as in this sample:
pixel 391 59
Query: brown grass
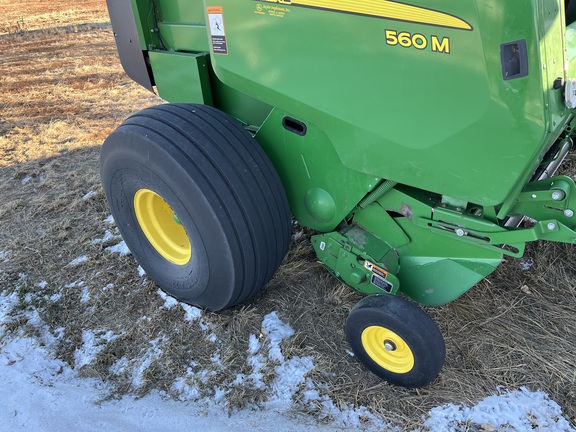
pixel 63 93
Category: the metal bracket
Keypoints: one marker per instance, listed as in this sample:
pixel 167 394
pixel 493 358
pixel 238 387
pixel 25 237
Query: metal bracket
pixel 359 259
pixel 548 199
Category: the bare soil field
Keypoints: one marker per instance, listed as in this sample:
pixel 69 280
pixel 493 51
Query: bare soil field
pixel 63 92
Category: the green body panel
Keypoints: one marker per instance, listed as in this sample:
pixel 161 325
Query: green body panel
pixel 571 49
pixel 406 134
pixel 181 37
pixel 182 25
pixel 408 112
pixel 181 77
pixel 435 268
pixel 144 17
pixel 321 190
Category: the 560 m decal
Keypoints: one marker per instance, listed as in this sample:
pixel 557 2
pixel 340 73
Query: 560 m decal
pixel 385 9
pixel 418 41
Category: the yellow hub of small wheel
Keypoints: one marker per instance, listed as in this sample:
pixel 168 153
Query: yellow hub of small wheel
pixel 161 227
pixel 387 349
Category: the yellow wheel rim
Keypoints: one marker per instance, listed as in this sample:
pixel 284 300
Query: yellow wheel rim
pixel 161 227
pixel 387 349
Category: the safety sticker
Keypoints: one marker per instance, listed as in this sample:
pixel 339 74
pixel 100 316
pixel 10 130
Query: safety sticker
pixel 217 31
pixel 379 276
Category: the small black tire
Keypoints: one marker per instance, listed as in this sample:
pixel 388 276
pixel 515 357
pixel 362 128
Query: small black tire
pixel 396 340
pixel 198 203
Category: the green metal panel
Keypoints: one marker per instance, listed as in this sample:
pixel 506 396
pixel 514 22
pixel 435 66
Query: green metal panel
pixel 145 15
pixel 571 49
pixel 246 109
pixel 181 11
pixel 181 77
pixel 419 104
pixel 184 37
pixel 182 25
pixel 553 58
pixel 320 189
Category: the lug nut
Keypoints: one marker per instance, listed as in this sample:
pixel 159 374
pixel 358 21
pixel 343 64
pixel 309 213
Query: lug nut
pixel 568 213
pixel 460 232
pixel 557 195
pixel 551 226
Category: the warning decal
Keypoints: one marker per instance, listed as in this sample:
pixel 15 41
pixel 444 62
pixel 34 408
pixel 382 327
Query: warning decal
pixel 379 276
pixel 217 32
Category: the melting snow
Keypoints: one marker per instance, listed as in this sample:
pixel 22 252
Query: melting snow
pixel 107 237
pixel 121 248
pixel 169 301
pixel 89 195
pixel 4 256
pixel 38 392
pixel 519 410
pixel 78 261
pixel 92 343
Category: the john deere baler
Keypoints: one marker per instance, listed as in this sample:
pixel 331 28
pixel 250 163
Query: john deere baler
pixel 413 138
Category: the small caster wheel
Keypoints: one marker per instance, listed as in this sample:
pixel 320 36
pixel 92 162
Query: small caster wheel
pixel 396 340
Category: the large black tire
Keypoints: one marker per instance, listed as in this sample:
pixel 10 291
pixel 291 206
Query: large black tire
pixel 396 340
pixel 198 203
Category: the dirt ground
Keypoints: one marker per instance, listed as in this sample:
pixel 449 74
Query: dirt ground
pixel 63 92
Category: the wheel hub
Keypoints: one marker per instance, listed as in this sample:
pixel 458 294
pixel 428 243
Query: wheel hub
pixel 389 345
pixel 162 227
pixel 388 349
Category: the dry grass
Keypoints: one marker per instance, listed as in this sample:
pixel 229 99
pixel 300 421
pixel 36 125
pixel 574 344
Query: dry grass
pixel 63 93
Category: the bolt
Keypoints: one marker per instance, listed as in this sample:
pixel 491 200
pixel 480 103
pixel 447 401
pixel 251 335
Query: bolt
pixel 568 213
pixel 557 195
pixel 460 232
pixel 534 196
pixel 551 226
pixel 389 345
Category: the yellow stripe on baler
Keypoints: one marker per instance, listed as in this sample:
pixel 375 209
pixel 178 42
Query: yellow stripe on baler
pixel 390 10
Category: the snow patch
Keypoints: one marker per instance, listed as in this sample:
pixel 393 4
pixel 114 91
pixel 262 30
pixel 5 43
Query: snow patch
pixel 78 261
pixel 153 353
pixel 169 301
pixel 192 313
pixel 291 375
pixel 34 386
pixel 526 264
pixel 7 303
pixel 89 195
pixel 110 220
pixel 93 342
pixel 85 297
pixel 55 297
pixel 276 331
pixel 121 248
pixel 108 236
pixel 520 410
pixel 5 256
